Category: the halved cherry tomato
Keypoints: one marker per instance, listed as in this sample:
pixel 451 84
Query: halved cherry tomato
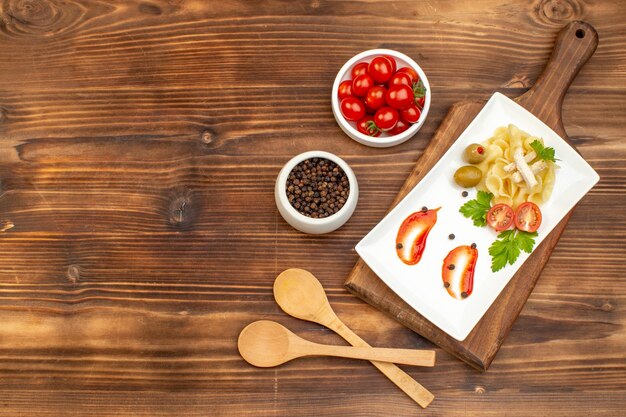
pixel 411 72
pixel 345 89
pixel 361 84
pixel 400 97
pixel 358 69
pixel 380 69
pixel 411 114
pixel 386 118
pixel 528 217
pixel 393 63
pixel 352 108
pixel 500 217
pixel 400 78
pixel 367 126
pixel 375 98
pixel 400 127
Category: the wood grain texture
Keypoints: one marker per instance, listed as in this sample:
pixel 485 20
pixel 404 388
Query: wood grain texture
pixel 139 143
pixel 573 47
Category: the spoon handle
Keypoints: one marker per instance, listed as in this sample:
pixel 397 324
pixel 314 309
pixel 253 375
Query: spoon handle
pixel 411 387
pixel 413 357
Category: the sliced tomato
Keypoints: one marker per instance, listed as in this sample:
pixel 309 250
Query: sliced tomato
pixel 500 217
pixel 412 235
pixel 458 271
pixel 528 217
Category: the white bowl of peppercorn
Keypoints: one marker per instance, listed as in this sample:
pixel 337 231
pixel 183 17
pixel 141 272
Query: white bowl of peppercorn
pixel 316 192
pixel 380 98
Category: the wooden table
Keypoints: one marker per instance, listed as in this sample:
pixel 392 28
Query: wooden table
pixel 140 141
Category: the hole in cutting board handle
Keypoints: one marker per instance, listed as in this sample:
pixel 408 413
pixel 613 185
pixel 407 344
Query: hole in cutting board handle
pixel 580 33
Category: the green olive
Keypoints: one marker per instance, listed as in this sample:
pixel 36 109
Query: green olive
pixel 475 153
pixel 468 176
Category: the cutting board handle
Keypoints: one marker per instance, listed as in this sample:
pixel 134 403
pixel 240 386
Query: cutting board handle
pixel 574 45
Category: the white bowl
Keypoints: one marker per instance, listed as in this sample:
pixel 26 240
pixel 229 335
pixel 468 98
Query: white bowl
pixel 384 140
pixel 307 224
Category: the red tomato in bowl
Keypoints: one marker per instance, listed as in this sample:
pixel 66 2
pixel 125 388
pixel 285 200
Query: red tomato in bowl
pixel 528 217
pixel 400 127
pixel 352 108
pixel 392 61
pixel 375 98
pixel 368 127
pixel 419 101
pixel 400 78
pixel 400 97
pixel 359 69
pixel 411 73
pixel 386 118
pixel 361 84
pixel 345 89
pixel 380 69
pixel 411 114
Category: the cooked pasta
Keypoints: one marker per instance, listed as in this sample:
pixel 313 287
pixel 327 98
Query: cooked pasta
pixel 503 181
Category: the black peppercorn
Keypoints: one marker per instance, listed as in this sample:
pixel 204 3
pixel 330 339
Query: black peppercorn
pixel 473 246
pixel 424 209
pixel 464 193
pixel 451 267
pixel 451 236
pixel 399 246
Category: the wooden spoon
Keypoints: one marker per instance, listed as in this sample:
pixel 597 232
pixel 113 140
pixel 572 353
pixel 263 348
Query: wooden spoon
pixel 301 295
pixel 266 343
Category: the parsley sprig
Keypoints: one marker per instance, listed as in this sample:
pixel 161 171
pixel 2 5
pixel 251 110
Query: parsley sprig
pixel 547 154
pixel 508 247
pixel 477 208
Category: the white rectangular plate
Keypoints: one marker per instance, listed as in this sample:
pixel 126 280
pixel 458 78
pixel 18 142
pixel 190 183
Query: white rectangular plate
pixel 421 285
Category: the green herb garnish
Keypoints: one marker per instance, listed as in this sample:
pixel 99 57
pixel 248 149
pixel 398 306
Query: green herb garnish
pixel 477 208
pixel 508 247
pixel 547 154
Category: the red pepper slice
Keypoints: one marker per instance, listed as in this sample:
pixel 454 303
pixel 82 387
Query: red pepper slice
pixel 458 271
pixel 411 238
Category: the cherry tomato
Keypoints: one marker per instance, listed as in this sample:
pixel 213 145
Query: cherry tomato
pixel 400 127
pixel 419 101
pixel 411 114
pixel 352 108
pixel 411 72
pixel 528 217
pixel 380 69
pixel 400 78
pixel 375 98
pixel 392 61
pixel 367 126
pixel 386 118
pixel 345 89
pixel 361 84
pixel 500 217
pixel 358 69
pixel 399 97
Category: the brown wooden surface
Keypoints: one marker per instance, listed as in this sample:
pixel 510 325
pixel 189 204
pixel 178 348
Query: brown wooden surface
pixel 139 143
pixel 573 47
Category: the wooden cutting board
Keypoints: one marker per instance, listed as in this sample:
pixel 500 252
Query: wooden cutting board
pixel 574 45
